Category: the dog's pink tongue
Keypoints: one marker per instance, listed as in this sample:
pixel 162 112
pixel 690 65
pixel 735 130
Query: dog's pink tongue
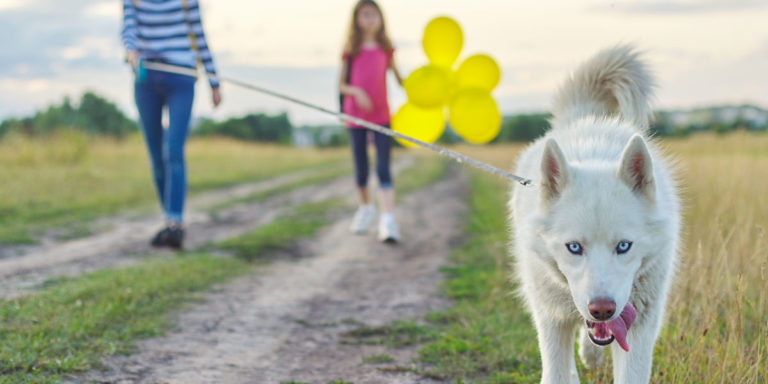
pixel 621 324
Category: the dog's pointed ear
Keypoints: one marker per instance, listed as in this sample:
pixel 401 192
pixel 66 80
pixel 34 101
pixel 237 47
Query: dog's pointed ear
pixel 554 172
pixel 636 169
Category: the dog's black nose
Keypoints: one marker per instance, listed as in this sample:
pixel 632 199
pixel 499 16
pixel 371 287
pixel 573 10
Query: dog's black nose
pixel 602 309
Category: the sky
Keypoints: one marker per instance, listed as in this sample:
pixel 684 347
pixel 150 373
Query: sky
pixel 702 52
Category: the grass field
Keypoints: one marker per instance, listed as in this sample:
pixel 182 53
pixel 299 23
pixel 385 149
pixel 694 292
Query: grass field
pixel 717 319
pixel 74 323
pixel 71 178
pixel 716 329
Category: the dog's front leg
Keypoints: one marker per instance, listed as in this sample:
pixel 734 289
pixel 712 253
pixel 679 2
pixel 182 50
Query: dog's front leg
pixel 634 367
pixel 556 340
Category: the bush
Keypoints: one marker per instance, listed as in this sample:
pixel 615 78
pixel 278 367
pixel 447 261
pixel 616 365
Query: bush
pixel 525 127
pixel 94 115
pixel 252 127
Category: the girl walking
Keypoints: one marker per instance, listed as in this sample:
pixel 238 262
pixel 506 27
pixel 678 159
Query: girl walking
pixel 368 55
pixel 168 32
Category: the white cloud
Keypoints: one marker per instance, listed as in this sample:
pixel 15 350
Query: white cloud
pixel 105 9
pixel 26 86
pixel 92 47
pixel 689 6
pixel 7 5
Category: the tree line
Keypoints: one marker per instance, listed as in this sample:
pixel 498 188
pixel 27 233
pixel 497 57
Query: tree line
pixel 93 114
pixel 96 115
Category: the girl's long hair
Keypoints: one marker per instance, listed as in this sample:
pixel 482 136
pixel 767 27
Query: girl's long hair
pixel 355 35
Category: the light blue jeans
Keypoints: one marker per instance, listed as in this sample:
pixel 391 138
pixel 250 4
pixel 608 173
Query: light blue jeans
pixel 166 147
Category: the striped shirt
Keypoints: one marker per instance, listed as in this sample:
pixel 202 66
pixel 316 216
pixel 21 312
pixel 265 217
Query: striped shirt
pixel 159 30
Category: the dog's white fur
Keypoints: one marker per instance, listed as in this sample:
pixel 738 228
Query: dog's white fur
pixel 602 181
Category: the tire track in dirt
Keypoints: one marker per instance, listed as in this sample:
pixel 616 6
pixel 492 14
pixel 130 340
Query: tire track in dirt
pixel 126 239
pixel 259 328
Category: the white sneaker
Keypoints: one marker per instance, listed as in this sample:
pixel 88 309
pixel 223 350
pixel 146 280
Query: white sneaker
pixel 363 219
pixel 388 232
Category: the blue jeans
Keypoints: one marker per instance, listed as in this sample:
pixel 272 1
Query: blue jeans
pixel 358 140
pixel 166 147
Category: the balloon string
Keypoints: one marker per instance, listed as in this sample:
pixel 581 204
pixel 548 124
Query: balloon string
pixel 458 157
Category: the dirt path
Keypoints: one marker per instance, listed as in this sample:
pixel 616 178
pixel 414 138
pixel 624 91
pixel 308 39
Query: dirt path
pixel 283 322
pixel 125 237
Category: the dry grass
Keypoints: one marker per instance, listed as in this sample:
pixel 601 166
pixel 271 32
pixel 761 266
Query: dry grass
pixel 717 323
pixel 71 177
pixel 716 330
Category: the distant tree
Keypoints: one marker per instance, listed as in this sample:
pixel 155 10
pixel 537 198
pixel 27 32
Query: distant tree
pixel 449 136
pixel 524 127
pixel 99 116
pixel 661 125
pixel 252 127
pixel 338 139
pixel 55 116
pixel 23 126
pixel 204 126
pixel 721 128
pixel 680 131
pixel 95 115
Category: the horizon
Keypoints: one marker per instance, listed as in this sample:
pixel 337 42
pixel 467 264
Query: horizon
pixel 706 53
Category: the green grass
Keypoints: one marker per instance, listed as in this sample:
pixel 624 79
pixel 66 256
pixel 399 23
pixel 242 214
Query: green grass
pixel 283 232
pixel 486 335
pixel 428 169
pixel 378 359
pixel 71 178
pixel 394 335
pixel 70 326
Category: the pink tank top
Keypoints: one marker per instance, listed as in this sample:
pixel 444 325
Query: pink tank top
pixel 369 72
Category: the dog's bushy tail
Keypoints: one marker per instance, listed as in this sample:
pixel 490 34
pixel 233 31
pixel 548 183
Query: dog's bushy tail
pixel 613 82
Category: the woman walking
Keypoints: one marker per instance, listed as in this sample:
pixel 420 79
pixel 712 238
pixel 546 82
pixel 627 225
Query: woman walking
pixel 168 32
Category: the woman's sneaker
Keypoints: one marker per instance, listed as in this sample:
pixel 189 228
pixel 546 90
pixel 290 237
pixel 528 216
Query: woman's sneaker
pixel 363 219
pixel 388 232
pixel 172 237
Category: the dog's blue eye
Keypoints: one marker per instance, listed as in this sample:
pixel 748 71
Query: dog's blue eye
pixel 575 248
pixel 623 247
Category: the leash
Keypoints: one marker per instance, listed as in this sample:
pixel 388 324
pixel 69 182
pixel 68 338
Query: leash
pixel 458 157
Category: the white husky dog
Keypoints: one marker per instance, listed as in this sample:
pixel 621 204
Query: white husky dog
pixel 596 239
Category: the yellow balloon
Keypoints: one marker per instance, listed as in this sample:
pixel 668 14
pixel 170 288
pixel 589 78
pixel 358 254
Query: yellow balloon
pixel 474 116
pixel 428 86
pixel 419 123
pixel 478 71
pixel 442 41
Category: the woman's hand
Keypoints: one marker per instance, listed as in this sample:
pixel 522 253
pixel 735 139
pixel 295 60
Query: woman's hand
pixel 362 100
pixel 216 96
pixel 132 58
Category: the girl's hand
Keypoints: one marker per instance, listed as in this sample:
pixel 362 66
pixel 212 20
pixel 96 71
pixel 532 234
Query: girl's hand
pixel 216 96
pixel 362 100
